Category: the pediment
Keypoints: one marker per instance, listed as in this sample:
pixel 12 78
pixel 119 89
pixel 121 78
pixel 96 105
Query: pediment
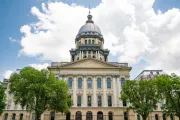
pixel 89 63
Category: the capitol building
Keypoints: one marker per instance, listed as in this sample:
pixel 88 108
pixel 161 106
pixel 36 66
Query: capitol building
pixel 94 83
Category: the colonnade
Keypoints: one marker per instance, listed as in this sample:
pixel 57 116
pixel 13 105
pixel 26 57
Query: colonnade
pixel 114 91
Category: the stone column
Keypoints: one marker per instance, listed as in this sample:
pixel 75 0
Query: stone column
pixel 84 92
pixel 80 55
pixel 65 77
pixel 94 102
pixel 74 90
pixel 104 98
pixel 118 91
pixel 96 55
pixel 114 91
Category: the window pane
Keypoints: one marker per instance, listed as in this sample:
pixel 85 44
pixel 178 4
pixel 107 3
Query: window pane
pixel 108 83
pixel 92 41
pixel 89 82
pixel 99 101
pixel 156 116
pixel 89 101
pixel 125 116
pixel 85 41
pixel 122 81
pixel 99 83
pixel 79 82
pixel 79 100
pixel 70 82
pixel 124 103
pixel 89 41
pixel 109 101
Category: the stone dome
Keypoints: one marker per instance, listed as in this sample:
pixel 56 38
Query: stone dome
pixel 89 29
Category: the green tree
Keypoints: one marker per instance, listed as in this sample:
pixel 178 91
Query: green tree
pixel 142 96
pixel 169 89
pixel 2 99
pixel 38 90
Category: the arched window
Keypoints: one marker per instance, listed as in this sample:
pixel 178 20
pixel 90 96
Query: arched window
pixel 156 117
pixel 13 116
pixel 21 116
pixel 70 82
pixel 79 83
pixel 6 116
pixel 110 116
pixel 138 117
pixel 78 115
pixel 100 115
pixel 89 42
pixel 108 83
pixel 52 115
pixel 92 41
pixel 99 83
pixel 125 116
pixel 89 115
pixel 89 83
pixel 85 41
pixel 122 81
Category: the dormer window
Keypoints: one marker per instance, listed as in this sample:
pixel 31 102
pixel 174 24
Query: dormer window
pixel 92 41
pixel 151 73
pixel 89 41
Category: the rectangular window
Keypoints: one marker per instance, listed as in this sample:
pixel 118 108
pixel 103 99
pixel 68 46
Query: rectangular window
pixel 89 101
pixel 79 83
pixel 124 103
pixel 92 41
pixel 79 100
pixel 99 83
pixel 109 101
pixel 99 101
pixel 108 83
pixel 122 82
pixel 89 83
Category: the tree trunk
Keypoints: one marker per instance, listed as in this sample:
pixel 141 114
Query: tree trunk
pixel 37 117
pixel 179 117
pixel 144 117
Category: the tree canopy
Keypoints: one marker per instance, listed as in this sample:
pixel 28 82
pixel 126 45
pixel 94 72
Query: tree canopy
pixel 39 91
pixel 169 90
pixel 141 95
pixel 2 99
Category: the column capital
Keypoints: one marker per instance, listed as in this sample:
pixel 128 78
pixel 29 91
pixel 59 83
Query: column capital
pixel 84 75
pixel 94 75
pixel 103 75
pixel 74 75
pixel 114 75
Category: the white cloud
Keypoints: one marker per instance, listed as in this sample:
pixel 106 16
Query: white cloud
pixel 39 66
pixel 7 74
pixel 131 28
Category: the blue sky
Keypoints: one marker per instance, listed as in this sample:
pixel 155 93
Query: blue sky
pixel 15 13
